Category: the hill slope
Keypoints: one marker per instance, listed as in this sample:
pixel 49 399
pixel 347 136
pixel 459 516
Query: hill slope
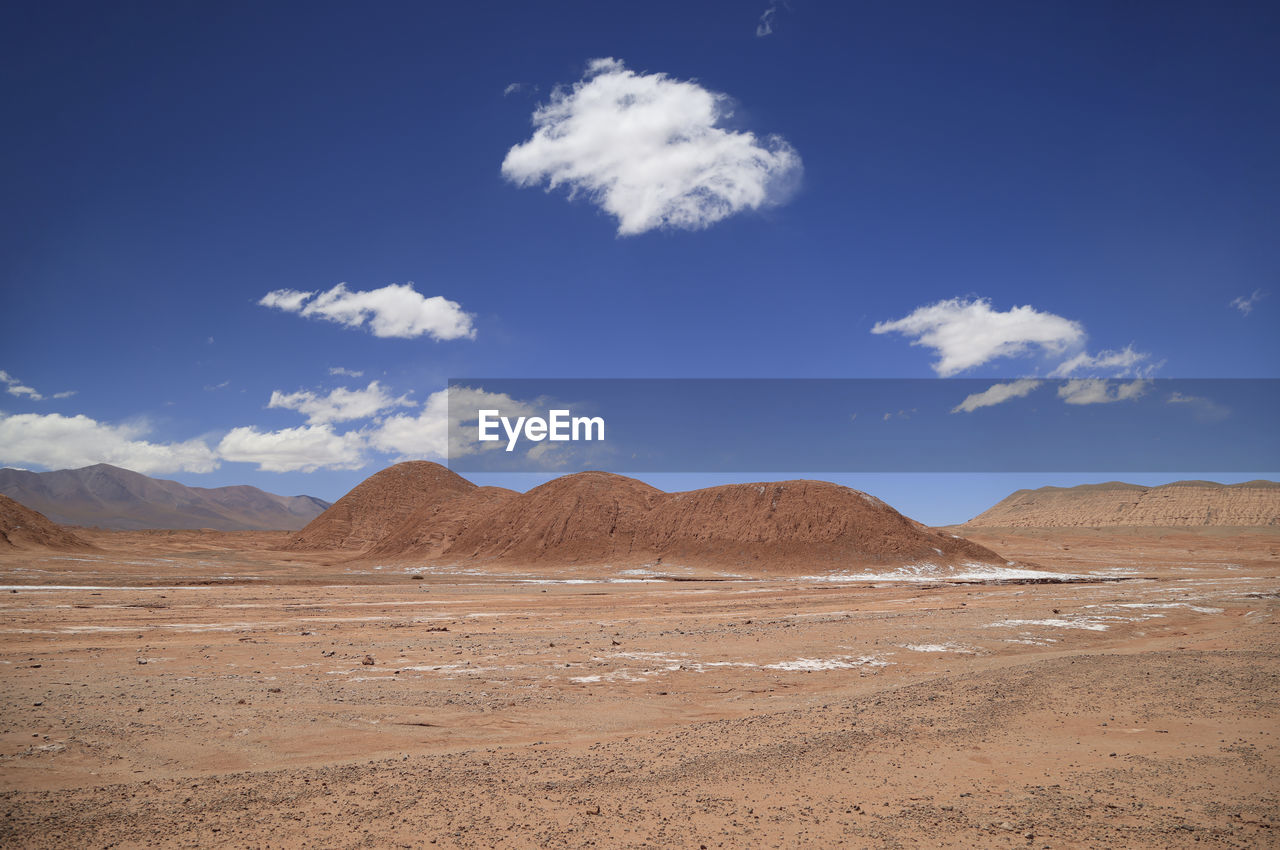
pixel 810 524
pixel 23 528
pixel 1182 503
pixel 588 517
pixel 380 504
pixel 110 497
pixel 597 518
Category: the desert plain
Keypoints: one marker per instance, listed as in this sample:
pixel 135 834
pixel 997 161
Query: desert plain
pixel 199 688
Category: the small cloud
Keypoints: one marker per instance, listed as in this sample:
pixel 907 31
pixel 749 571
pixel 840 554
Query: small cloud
pixel 765 25
pixel 650 151
pixel 1206 410
pixel 213 387
pixel 15 387
pixel 969 333
pixel 1101 391
pixel 516 88
pixel 397 310
pixel 1245 304
pixel 997 394
pixel 548 455
pixel 210 341
pixel 1118 364
pixel 340 405
pixel 350 373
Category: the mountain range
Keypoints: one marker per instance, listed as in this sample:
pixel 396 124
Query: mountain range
pixel 106 496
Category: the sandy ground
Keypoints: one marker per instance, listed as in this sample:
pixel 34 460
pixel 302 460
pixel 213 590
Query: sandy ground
pixel 200 689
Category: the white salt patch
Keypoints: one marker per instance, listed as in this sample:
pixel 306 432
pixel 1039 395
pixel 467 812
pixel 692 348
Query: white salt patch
pixel 937 647
pixel 840 662
pixel 929 572
pixel 1093 625
pixel 589 581
pixel 88 587
pixel 1199 609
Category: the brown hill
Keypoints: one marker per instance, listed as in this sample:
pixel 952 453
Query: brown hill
pixel 425 511
pixel 23 528
pixel 790 525
pixel 110 497
pixel 588 517
pixel 432 528
pixel 377 507
pixel 1182 503
pixel 599 518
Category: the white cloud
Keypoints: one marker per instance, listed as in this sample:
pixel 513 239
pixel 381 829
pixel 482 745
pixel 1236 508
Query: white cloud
pixel 968 333
pixel 1206 410
pixel 67 442
pixel 1245 304
pixel 444 417
pixel 996 394
pixel 16 388
pixel 340 405
pixel 648 150
pixel 302 449
pixel 397 310
pixel 765 27
pixel 1100 391
pixel 350 373
pixel 1118 363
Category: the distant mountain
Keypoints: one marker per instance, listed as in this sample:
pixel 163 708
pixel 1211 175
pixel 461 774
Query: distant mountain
pixel 110 497
pixel 1182 503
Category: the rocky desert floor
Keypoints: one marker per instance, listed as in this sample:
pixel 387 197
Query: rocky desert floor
pixel 194 689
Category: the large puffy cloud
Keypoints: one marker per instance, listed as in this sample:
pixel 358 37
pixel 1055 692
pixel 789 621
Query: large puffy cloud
pixel 302 449
pixel 442 428
pixel 67 442
pixel 997 394
pixel 340 405
pixel 969 333
pixel 648 150
pixel 397 310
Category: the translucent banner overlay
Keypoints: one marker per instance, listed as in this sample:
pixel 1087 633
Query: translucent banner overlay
pixel 863 425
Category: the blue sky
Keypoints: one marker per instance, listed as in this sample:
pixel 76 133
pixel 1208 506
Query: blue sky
pixel 1002 190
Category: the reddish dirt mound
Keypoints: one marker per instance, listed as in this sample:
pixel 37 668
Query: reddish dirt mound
pixel 424 511
pixel 431 529
pixel 1114 504
pixel 786 526
pixel 23 528
pixel 590 517
pixel 378 505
